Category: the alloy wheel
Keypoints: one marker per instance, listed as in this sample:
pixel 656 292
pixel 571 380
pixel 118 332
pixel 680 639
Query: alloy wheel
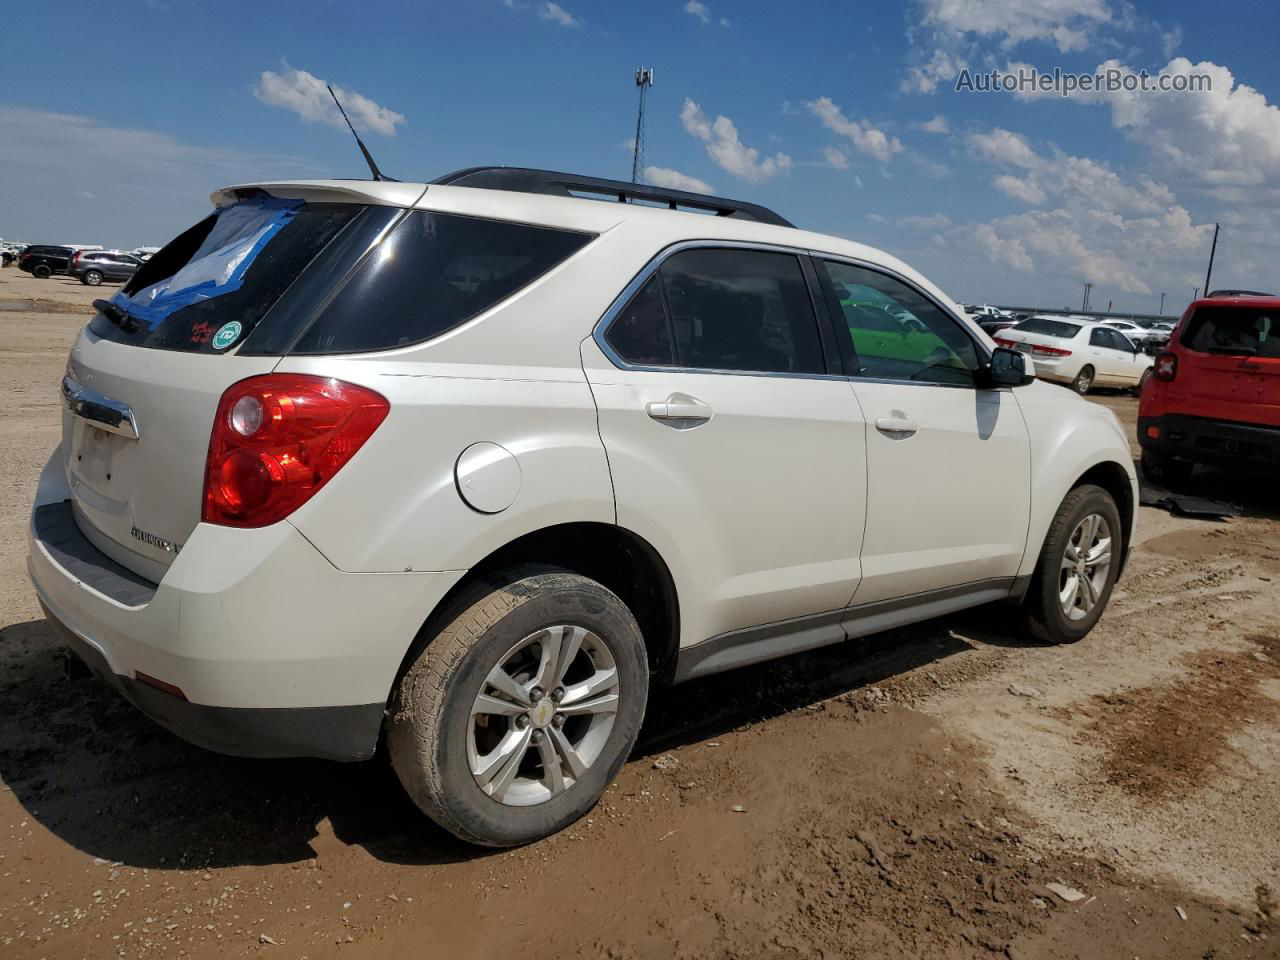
pixel 1086 563
pixel 543 715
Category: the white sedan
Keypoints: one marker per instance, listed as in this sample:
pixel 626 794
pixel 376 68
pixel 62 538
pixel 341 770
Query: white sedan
pixel 1078 353
pixel 1138 334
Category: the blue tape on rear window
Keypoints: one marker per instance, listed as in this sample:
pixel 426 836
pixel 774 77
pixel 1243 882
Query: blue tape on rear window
pixel 218 267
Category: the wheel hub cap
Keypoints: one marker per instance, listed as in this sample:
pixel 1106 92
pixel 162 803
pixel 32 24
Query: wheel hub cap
pixel 542 713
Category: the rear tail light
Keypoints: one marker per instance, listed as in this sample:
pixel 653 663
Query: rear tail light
pixel 1050 351
pixel 75 258
pixel 24 255
pixel 1003 342
pixel 1165 367
pixel 279 438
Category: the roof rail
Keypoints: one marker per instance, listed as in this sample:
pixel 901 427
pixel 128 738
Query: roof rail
pixel 1237 293
pixel 526 180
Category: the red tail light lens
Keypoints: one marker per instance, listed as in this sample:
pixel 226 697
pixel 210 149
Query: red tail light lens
pixel 1050 351
pixel 75 258
pixel 1165 367
pixel 279 438
pixel 1004 343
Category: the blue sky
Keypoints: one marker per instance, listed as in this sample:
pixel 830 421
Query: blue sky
pixel 845 119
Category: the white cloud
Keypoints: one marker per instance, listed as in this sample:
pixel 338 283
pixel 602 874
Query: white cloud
pixel 938 124
pixel 930 168
pixel 1170 41
pixel 1095 225
pixel 877 218
pixel 1063 176
pixel 951 34
pixel 937 221
pixel 1229 134
pixel 1065 23
pixel 1004 146
pixel 727 150
pixel 675 180
pixel 558 15
pixel 1019 189
pixel 697 9
pixel 864 137
pixel 306 95
pixel 941 66
pixel 146 186
pixel 835 158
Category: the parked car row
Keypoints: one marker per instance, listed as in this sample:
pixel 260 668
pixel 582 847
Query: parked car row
pixel 1079 353
pixel 9 251
pixel 91 266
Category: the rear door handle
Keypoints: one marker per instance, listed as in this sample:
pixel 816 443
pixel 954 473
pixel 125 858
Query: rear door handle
pixel 899 428
pixel 680 407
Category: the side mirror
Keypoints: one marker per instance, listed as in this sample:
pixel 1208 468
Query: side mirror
pixel 1008 368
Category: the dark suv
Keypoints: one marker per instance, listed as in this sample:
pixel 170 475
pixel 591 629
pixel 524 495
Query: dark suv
pixel 1214 394
pixel 43 261
pixel 92 267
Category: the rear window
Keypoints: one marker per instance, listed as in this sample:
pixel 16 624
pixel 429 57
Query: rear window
pixel 1049 328
pixel 434 272
pixel 273 269
pixel 1240 331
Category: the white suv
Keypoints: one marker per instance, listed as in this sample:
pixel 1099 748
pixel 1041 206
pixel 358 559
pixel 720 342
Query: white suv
pixel 474 462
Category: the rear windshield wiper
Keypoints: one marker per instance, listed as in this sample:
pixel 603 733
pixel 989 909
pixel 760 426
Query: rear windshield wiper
pixel 117 315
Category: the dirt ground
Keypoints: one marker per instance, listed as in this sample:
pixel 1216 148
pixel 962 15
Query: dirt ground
pixel 911 795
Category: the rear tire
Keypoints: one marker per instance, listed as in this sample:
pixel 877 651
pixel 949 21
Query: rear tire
pixel 1060 605
pixel 1083 380
pixel 511 631
pixel 91 278
pixel 42 272
pixel 1165 471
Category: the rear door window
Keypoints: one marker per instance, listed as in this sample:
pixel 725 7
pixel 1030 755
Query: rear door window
pixel 1237 331
pixel 434 272
pixel 748 310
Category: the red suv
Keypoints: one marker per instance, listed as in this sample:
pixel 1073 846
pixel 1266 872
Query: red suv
pixel 1214 394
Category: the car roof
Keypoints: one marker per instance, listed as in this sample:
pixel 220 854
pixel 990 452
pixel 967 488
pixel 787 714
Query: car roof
pixel 576 213
pixel 1267 303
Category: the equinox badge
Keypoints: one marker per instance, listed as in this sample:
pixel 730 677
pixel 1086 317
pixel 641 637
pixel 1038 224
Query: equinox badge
pixel 168 546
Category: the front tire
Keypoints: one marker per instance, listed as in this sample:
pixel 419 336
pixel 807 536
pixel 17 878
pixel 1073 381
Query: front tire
pixel 1078 566
pixel 1083 381
pixel 513 719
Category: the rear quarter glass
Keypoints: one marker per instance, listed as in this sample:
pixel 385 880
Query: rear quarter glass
pixel 434 272
pixel 281 262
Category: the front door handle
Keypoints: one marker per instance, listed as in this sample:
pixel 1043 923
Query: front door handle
pixel 680 407
pixel 898 428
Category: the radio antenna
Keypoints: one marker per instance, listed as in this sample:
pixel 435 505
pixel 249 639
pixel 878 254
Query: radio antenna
pixel 368 157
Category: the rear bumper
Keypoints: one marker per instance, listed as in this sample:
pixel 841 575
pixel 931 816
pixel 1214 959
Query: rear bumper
pixel 329 733
pixel 1202 440
pixel 275 651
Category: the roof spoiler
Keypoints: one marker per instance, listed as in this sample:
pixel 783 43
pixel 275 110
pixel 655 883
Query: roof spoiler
pixel 526 180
